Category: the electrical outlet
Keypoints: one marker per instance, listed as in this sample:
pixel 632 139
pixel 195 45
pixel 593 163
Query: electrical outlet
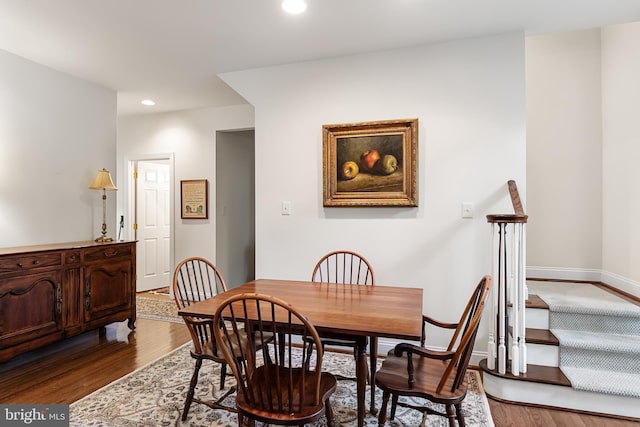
pixel 286 208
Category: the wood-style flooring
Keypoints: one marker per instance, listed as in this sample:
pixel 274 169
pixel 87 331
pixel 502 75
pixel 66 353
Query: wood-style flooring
pixel 66 371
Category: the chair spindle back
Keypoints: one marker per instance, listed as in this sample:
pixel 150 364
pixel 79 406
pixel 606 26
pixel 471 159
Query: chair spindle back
pixel 343 266
pixel 279 380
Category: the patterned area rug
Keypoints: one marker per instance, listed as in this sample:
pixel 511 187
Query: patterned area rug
pixel 154 396
pixel 157 308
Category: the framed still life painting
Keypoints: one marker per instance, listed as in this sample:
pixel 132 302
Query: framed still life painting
pixel 370 163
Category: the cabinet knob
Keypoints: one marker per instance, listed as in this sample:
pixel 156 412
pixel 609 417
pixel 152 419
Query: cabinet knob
pixel 34 262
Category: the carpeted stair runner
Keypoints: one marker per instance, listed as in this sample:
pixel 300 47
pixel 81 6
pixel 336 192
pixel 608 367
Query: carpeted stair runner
pixel 599 335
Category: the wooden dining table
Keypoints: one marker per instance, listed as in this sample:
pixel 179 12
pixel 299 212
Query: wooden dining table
pixel 355 310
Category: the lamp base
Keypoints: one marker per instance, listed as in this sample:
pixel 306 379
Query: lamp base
pixel 103 239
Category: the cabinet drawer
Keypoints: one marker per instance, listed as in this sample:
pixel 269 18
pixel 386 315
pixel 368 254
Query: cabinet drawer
pixel 107 252
pixel 29 262
pixel 72 257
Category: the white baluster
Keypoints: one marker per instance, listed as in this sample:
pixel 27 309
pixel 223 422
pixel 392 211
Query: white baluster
pixel 515 359
pixel 502 283
pixel 491 351
pixel 524 294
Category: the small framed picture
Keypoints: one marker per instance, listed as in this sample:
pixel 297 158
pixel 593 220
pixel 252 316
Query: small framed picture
pixel 370 163
pixel 194 199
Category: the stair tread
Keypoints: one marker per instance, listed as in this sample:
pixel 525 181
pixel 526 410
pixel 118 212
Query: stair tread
pixel 605 381
pixel 540 336
pixel 535 373
pixel 534 301
pixel 599 341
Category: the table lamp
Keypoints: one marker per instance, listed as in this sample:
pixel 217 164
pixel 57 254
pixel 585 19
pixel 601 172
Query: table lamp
pixel 103 182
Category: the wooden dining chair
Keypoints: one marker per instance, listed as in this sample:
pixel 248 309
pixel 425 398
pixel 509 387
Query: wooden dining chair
pixel 437 376
pixel 348 267
pixel 277 384
pixel 196 279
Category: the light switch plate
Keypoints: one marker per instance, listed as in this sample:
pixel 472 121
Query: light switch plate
pixel 467 210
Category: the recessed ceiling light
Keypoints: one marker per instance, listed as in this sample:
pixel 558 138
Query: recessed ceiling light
pixel 148 102
pixel 294 6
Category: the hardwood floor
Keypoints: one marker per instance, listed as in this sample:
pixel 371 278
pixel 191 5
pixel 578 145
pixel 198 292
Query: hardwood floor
pixel 67 371
pixel 513 415
pixel 70 369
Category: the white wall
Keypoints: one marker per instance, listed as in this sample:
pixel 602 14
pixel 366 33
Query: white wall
pixel 621 154
pixel 56 131
pixel 190 137
pixel 564 150
pixel 582 151
pixel 469 97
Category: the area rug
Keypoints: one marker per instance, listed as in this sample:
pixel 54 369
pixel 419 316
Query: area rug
pixel 154 396
pixel 599 336
pixel 157 308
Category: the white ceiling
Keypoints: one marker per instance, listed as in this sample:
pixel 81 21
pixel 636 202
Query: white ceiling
pixel 172 50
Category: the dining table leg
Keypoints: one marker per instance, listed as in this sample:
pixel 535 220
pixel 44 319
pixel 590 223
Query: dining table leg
pixel 373 363
pixel 361 376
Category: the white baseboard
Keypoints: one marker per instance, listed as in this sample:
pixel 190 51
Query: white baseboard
pixel 564 273
pixel 615 280
pixel 619 282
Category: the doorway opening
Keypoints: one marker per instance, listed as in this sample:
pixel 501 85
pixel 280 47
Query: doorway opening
pixel 235 206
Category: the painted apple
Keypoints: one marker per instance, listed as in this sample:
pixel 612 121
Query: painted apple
pixel 349 170
pixel 387 165
pixel 368 159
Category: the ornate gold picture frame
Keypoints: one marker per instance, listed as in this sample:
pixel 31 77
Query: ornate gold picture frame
pixel 370 163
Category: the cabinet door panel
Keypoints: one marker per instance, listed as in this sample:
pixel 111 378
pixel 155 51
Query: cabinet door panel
pixel 107 288
pixel 30 307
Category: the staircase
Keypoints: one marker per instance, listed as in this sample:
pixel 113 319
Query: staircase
pixel 544 383
pixel 569 345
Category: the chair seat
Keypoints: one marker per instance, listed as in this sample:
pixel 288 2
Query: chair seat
pixel 392 377
pixel 337 340
pixel 208 352
pixel 269 374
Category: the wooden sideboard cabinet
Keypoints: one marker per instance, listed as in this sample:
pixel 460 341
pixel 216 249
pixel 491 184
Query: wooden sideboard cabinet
pixel 50 292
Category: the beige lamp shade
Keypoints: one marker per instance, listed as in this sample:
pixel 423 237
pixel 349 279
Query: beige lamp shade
pixel 103 181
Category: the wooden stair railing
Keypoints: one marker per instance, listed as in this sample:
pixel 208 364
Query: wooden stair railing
pixel 509 292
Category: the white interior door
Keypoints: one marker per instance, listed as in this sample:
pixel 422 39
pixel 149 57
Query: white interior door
pixel 153 224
